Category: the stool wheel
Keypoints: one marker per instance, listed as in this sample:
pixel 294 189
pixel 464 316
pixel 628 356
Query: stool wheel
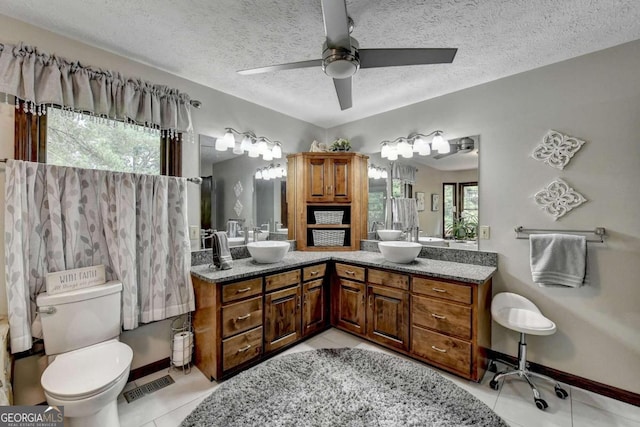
pixel 494 384
pixel 541 404
pixel 561 393
pixel 492 367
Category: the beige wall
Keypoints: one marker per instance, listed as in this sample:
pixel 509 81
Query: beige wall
pixel 429 181
pixel 595 97
pixel 219 110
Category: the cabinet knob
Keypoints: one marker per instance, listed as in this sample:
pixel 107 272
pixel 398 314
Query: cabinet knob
pixel 370 300
pixel 438 316
pixel 438 349
pixel 245 317
pixel 443 291
pixel 239 291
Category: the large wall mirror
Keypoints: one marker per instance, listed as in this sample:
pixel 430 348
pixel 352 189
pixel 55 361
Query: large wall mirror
pixel 446 189
pixel 232 197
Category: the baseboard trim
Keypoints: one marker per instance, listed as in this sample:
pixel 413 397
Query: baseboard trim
pixel 574 380
pixel 145 370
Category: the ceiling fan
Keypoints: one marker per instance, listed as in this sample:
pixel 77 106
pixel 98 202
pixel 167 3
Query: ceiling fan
pixel 342 56
pixel 463 145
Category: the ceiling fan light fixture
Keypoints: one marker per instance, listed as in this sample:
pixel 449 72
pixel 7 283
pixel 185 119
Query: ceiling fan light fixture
pixel 340 63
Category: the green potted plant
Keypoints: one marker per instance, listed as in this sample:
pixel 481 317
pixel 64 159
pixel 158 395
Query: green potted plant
pixel 463 228
pixel 341 144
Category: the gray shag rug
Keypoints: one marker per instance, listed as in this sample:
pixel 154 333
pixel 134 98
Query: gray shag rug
pixel 341 387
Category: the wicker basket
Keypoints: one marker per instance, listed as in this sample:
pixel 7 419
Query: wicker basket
pixel 328 217
pixel 328 237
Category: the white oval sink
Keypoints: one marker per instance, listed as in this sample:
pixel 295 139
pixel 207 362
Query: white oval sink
pixel 268 251
pixel 235 241
pixel 261 236
pixel 399 252
pixel 432 241
pixel 389 234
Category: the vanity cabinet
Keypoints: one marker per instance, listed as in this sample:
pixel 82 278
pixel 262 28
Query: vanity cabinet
pixel 348 292
pixel 239 323
pixel 327 197
pixel 388 309
pixel 451 325
pixel 314 299
pixel 282 310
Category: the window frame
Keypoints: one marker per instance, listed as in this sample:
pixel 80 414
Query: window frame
pixel 30 142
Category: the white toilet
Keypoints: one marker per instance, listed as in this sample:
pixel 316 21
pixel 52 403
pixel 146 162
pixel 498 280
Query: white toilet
pixel 88 366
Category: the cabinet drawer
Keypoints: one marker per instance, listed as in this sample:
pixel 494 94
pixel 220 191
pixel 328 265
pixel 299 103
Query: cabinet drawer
pixel 435 288
pixel 441 349
pixel 445 317
pixel 313 272
pixel 282 280
pixel 239 290
pixel 386 278
pixel 350 272
pixel 241 316
pixel 241 348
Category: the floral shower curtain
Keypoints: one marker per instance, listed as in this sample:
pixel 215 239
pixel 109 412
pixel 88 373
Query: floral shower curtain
pixel 59 218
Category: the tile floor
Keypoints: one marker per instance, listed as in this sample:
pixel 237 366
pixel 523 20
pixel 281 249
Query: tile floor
pixel 513 402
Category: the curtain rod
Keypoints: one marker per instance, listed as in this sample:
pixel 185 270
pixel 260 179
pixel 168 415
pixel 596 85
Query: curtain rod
pixel 195 180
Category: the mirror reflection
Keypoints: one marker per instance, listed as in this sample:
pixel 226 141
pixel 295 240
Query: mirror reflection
pixel 232 199
pixel 445 190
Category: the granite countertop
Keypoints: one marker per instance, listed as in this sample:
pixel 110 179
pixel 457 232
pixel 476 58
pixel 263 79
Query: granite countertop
pixel 246 267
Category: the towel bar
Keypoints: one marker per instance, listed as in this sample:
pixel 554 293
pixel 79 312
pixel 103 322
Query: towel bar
pixel 598 231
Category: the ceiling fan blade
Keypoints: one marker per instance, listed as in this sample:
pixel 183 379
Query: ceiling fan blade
pixel 280 67
pixel 343 89
pixel 373 58
pixel 336 23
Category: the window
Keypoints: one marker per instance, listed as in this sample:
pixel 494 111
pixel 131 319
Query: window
pixel 70 139
pixel 449 207
pixel 377 199
pixel 460 208
pixel 80 141
pixel 401 188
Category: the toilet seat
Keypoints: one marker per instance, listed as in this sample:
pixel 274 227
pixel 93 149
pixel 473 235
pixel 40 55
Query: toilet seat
pixel 88 371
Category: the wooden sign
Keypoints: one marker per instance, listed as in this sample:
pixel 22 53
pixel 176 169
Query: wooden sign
pixel 69 280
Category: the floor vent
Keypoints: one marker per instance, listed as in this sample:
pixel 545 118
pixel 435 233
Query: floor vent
pixel 147 388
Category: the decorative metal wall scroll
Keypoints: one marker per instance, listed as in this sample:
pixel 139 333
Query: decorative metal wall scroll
pixel 558 198
pixel 557 149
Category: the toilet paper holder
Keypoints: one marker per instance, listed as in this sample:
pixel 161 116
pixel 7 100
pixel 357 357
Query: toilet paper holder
pixel 181 343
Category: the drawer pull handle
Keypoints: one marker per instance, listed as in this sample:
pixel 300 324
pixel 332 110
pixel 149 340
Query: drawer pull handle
pixel 350 272
pixel 243 349
pixel 444 291
pixel 313 273
pixel 438 316
pixel 245 317
pixel 239 291
pixel 438 349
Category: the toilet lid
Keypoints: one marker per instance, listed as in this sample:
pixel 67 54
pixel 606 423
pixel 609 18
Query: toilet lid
pixel 87 371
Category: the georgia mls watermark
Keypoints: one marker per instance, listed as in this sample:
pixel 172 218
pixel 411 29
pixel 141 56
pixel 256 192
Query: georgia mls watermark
pixel 32 416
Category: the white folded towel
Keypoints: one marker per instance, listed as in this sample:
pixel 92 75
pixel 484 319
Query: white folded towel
pixel 221 255
pixel 558 259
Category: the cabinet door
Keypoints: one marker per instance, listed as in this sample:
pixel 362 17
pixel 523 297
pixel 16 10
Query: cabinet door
pixel 388 316
pixel 318 180
pixel 282 318
pixel 313 307
pixel 350 310
pixel 340 171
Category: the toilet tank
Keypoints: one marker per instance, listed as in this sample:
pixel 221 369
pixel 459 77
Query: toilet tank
pixel 80 318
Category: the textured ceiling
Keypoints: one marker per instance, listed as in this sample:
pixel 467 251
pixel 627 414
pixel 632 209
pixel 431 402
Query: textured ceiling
pixel 208 41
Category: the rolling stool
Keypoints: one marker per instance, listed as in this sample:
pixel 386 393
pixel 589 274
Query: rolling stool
pixel 519 314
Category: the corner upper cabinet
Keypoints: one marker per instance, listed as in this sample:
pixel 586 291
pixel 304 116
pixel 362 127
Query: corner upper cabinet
pixel 327 179
pixel 327 185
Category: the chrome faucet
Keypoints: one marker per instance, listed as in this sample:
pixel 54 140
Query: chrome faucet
pixel 256 231
pixel 376 225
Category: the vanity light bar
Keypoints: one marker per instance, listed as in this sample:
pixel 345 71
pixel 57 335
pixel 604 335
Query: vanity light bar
pixel 414 143
pixel 254 145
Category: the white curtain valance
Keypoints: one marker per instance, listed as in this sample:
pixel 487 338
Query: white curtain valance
pixel 39 78
pixel 405 173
